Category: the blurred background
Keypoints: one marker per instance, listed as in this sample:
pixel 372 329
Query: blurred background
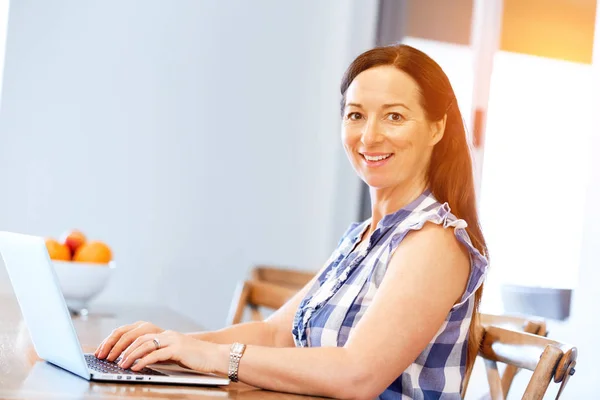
pixel 199 138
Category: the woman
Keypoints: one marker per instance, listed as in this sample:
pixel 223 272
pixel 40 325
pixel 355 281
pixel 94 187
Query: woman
pixel 392 311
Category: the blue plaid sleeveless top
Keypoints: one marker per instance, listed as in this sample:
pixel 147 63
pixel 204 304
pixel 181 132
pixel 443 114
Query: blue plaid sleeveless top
pixel 343 292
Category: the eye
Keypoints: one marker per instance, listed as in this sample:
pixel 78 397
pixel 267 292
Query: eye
pixel 395 117
pixel 354 116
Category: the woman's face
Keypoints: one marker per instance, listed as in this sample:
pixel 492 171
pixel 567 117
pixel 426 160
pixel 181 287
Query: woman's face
pixel 385 132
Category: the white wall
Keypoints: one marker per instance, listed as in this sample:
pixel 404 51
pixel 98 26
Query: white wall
pixel 195 137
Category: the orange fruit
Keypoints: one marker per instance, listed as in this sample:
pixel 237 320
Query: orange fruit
pixel 73 239
pixel 93 252
pixel 58 251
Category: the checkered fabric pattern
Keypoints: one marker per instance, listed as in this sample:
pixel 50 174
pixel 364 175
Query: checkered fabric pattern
pixel 343 292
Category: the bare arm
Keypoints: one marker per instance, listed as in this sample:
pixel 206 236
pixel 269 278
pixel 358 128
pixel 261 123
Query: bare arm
pixel 259 333
pixel 431 261
pixel 275 331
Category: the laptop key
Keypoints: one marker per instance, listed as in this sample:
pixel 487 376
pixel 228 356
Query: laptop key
pixel 108 367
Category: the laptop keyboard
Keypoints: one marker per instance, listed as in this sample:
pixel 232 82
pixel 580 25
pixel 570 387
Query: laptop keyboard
pixel 110 367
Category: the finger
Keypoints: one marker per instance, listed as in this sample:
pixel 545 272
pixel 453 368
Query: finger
pixel 129 333
pixel 164 354
pixel 99 349
pixel 124 341
pixel 141 351
pixel 102 344
pixel 137 343
pixel 110 341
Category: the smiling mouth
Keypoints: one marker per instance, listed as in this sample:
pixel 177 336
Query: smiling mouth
pixel 373 159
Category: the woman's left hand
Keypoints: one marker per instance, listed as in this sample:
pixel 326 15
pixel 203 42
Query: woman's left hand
pixel 176 347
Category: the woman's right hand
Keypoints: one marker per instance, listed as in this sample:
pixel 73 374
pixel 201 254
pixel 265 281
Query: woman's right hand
pixel 119 339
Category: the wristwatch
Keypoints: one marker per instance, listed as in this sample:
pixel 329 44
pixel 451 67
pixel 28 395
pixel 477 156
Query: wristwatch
pixel 235 354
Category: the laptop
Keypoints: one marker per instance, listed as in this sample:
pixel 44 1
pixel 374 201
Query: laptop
pixel 50 326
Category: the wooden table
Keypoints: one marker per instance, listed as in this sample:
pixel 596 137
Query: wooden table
pixel 24 376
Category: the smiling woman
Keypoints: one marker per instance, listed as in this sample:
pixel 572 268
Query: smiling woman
pixel 392 312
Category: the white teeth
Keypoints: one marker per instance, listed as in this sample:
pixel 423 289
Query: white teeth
pixel 378 158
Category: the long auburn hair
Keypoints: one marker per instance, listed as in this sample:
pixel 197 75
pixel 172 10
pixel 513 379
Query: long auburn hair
pixel 450 173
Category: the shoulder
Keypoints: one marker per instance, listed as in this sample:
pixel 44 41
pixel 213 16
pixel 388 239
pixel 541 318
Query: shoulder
pixel 435 241
pixel 432 259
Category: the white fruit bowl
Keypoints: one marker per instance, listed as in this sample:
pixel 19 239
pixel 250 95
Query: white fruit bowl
pixel 81 282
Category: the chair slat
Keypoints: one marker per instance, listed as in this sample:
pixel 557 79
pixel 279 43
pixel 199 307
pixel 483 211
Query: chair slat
pixel 516 348
pixel 269 295
pixel 238 303
pixel 255 314
pixel 255 294
pixel 526 324
pixel 494 380
pixel 542 375
pixel 282 276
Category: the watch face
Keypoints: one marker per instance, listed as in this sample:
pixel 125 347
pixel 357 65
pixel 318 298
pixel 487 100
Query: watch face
pixel 237 347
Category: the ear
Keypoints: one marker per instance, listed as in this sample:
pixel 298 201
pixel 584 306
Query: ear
pixel 437 130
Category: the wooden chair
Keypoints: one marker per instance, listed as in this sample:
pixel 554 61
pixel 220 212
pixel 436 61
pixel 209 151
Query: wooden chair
pixel 254 295
pixel 548 359
pixel 531 325
pixel 287 277
pixel 269 287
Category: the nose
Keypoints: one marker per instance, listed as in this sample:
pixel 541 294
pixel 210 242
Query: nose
pixel 371 133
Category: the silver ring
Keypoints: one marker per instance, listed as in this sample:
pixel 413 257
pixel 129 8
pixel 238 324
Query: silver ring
pixel 156 343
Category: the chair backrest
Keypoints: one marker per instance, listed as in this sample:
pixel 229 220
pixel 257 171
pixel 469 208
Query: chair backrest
pixel 254 294
pixel 533 325
pixel 287 277
pixel 548 359
pixel 268 287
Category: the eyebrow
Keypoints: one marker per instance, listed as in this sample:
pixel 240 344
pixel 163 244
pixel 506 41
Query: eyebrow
pixel 354 105
pixel 383 106
pixel 395 105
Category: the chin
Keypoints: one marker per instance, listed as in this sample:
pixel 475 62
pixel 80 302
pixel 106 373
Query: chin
pixel 376 183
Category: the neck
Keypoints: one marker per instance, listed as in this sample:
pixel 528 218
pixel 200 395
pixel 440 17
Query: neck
pixel 389 200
